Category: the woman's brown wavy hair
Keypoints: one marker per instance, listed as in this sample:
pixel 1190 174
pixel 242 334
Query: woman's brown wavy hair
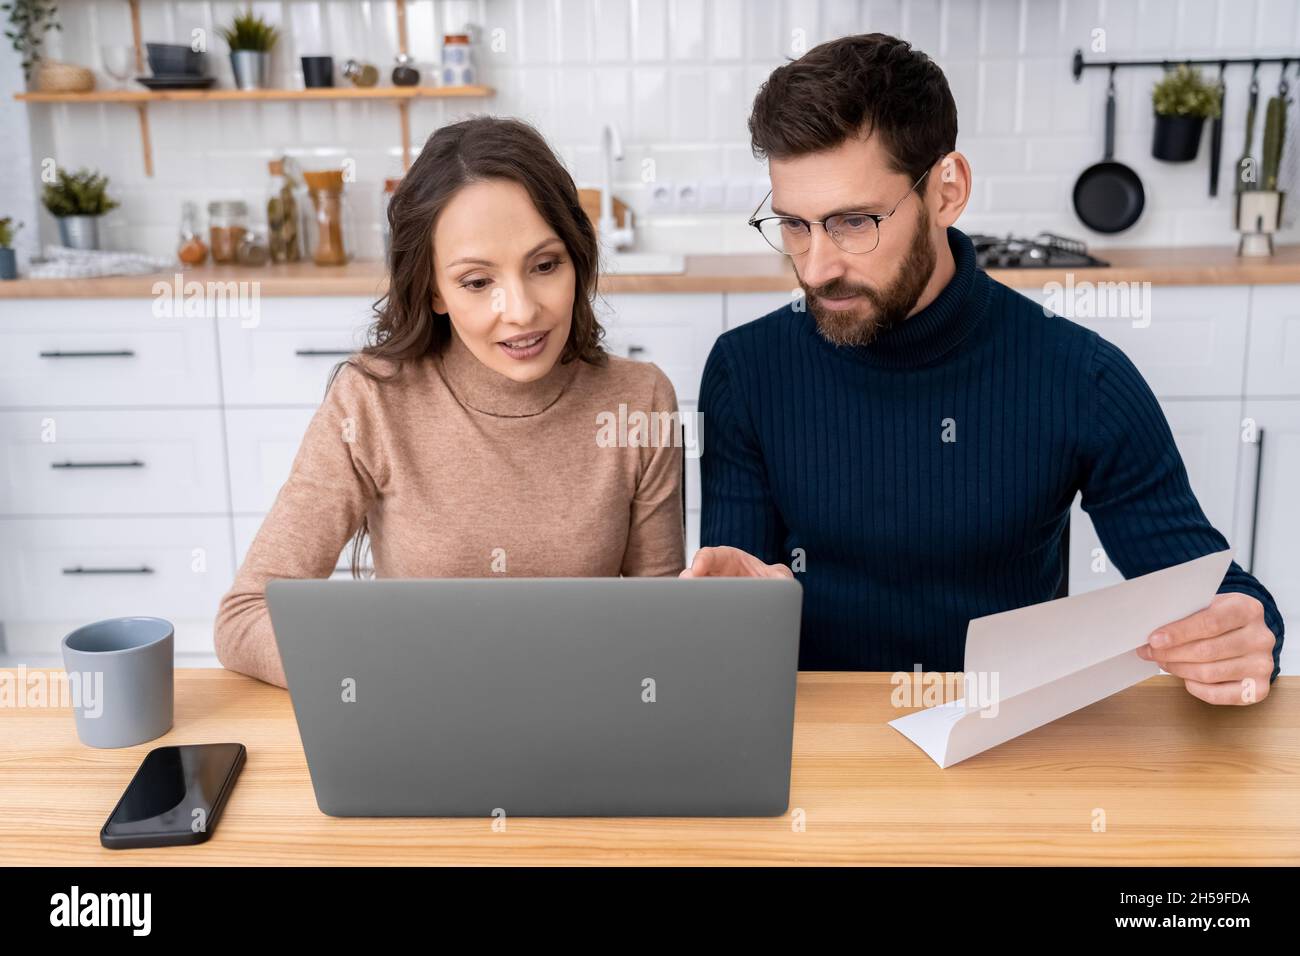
pixel 478 149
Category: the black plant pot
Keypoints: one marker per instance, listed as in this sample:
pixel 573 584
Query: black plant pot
pixel 8 264
pixel 1177 138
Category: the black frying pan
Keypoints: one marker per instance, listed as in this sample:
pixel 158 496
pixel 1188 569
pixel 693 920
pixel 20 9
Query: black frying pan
pixel 1108 196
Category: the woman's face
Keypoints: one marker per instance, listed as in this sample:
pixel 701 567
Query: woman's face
pixel 505 279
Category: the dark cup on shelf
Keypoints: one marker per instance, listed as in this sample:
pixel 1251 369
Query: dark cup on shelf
pixel 317 71
pixel 174 59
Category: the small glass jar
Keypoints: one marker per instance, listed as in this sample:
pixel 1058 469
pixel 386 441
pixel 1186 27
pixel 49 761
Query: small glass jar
pixel 252 249
pixel 330 235
pixel 227 223
pixel 192 250
pixel 405 73
pixel 457 60
pixel 286 204
pixel 361 74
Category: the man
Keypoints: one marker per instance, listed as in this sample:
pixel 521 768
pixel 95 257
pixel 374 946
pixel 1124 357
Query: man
pixel 911 442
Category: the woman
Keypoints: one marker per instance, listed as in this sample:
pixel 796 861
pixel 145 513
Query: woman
pixel 464 438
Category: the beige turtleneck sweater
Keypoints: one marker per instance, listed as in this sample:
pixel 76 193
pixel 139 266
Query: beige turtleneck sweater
pixel 463 472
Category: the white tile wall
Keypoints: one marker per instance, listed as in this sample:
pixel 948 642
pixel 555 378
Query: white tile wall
pixel 678 77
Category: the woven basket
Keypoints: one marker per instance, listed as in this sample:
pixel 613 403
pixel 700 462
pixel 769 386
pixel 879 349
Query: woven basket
pixel 55 77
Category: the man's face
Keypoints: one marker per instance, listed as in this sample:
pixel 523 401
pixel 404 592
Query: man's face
pixel 854 296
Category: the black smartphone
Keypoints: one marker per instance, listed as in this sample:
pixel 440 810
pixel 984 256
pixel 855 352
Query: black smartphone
pixel 175 797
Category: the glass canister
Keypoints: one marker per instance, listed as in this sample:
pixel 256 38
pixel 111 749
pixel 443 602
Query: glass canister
pixel 192 251
pixel 330 234
pixel 227 223
pixel 457 67
pixel 286 204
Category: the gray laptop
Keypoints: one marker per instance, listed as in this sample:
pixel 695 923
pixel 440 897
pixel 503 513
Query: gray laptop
pixel 543 696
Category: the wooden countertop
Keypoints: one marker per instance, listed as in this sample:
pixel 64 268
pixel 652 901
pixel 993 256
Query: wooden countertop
pixel 1180 782
pixel 1191 265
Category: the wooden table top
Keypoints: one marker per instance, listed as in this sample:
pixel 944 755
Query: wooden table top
pixel 1178 781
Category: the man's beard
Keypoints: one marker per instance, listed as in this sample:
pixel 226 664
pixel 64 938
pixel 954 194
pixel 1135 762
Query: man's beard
pixel 885 308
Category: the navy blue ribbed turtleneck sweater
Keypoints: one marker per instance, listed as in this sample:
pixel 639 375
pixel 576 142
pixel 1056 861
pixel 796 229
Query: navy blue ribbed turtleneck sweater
pixel 925 479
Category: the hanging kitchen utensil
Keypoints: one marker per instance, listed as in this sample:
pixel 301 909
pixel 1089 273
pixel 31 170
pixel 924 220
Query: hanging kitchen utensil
pixel 1274 133
pixel 1247 176
pixel 1216 133
pixel 1288 177
pixel 1108 196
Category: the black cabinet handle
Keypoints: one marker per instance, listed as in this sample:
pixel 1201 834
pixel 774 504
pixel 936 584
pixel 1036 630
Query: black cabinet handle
pixel 97 464
pixel 116 353
pixel 634 350
pixel 143 569
pixel 313 352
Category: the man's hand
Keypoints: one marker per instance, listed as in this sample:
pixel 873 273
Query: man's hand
pixel 1224 653
pixel 732 563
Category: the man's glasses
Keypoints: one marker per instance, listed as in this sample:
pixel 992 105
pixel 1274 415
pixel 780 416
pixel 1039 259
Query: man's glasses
pixel 854 232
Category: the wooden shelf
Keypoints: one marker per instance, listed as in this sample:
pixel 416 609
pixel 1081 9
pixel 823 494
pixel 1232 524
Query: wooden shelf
pixel 225 95
pixel 140 99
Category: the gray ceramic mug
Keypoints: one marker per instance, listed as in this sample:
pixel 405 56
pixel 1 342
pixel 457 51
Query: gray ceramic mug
pixel 121 679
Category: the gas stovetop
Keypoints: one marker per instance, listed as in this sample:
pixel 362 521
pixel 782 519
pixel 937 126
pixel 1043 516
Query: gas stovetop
pixel 1044 250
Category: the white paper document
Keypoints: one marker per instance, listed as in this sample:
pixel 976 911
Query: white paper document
pixel 1051 659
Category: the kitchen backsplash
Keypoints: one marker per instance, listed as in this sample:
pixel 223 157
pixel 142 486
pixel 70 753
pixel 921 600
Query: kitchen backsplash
pixel 678 77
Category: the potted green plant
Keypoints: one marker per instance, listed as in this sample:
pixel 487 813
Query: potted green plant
pixel 77 200
pixel 8 261
pixel 29 21
pixel 1182 100
pixel 250 39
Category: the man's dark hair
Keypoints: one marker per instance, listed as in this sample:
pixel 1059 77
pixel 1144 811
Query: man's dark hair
pixel 870 84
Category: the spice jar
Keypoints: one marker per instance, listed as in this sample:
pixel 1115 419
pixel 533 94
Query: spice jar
pixel 227 223
pixel 192 251
pixel 361 74
pixel 457 60
pixel 405 73
pixel 252 249
pixel 285 204
pixel 329 234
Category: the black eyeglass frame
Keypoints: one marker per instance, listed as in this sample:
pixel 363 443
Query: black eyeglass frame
pixel 877 217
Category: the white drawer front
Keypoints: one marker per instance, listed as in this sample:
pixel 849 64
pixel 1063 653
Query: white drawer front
pixel 86 569
pixel 1273 367
pixel 246 528
pixel 745 307
pixel 674 331
pixel 287 357
pixel 103 352
pixel 112 462
pixel 1191 342
pixel 263 443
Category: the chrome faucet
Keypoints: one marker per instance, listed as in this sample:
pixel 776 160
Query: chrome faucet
pixel 611 145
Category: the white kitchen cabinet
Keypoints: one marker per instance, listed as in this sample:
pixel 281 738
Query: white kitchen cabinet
pixel 1268 518
pixel 674 331
pixel 1273 363
pixel 59 573
pixel 103 352
pixel 1208 436
pixel 742 307
pixel 1190 343
pixel 263 443
pixel 286 358
pixel 115 461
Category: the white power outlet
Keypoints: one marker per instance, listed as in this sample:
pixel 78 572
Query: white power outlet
pixel 663 197
pixel 688 197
